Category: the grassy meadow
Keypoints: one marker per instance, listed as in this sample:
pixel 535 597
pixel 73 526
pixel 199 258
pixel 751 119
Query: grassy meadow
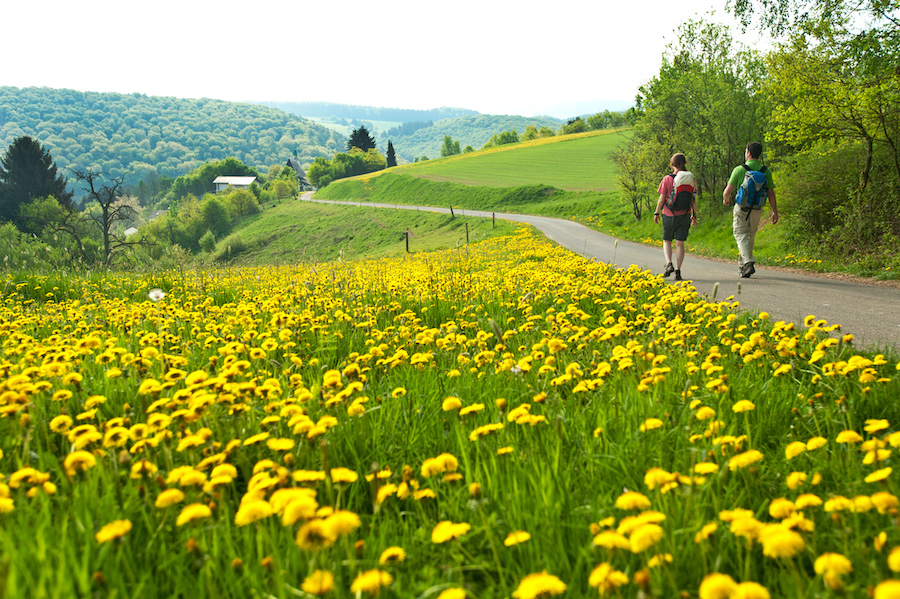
pixel 293 231
pixel 506 421
pixel 578 162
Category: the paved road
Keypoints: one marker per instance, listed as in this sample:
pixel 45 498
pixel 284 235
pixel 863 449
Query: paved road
pixel 870 312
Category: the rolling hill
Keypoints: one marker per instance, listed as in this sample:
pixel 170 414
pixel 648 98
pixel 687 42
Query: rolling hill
pixel 144 137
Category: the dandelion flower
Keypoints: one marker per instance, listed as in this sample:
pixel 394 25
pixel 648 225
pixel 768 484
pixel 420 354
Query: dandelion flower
pixel 6 505
pixel 706 532
pixel 706 468
pixel 451 403
pixel 879 475
pixel 342 522
pixel 651 423
pixel 79 461
pixel 888 589
pixel 849 437
pixel 516 537
pixel 539 585
pixel 343 475
pixel 744 405
pixel 318 583
pixel 454 593
pixel 742 460
pixel 875 425
pixel 169 497
pixel 447 530
pixel 632 500
pixel 894 559
pixel 645 537
pixel 833 563
pixel 610 539
pixel 794 449
pixel 717 586
pixel 780 542
pixel 112 531
pixel 195 511
pixel 606 578
pixel 392 555
pixel 252 511
pixel 751 590
pixel 315 535
pixel 371 582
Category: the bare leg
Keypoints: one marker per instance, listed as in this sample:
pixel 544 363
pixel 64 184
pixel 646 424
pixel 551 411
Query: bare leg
pixel 667 251
pixel 679 253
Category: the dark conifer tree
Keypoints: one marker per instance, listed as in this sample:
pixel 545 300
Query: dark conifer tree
pixel 27 172
pixel 391 158
pixel 362 139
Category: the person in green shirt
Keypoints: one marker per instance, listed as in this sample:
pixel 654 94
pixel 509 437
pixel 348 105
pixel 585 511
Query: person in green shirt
pixel 746 223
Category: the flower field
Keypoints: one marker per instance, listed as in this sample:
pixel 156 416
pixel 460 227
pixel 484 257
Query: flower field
pixel 506 420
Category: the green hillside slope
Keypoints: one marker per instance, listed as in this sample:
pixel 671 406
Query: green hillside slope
pixel 473 131
pixel 573 162
pixel 142 137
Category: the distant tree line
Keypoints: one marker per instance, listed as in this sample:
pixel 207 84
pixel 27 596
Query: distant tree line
pixel 145 138
pixel 408 128
pixel 371 113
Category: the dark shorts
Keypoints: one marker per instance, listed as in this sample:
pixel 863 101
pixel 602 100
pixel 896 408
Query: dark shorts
pixel 676 227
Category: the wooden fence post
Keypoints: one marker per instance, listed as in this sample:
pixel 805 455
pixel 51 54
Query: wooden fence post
pixel 407 241
pixel 467 233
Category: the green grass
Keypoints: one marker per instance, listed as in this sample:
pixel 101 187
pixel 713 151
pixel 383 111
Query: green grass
pixel 301 232
pixel 571 162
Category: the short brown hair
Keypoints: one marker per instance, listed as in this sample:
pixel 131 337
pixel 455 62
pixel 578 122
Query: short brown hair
pixel 678 161
pixel 755 149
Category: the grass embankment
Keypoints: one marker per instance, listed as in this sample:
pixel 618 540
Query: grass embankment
pixel 510 421
pixel 569 177
pixel 296 231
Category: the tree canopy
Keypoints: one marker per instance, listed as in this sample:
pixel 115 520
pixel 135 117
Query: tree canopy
pixel 361 138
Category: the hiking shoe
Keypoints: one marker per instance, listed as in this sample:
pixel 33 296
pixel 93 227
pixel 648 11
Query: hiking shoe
pixel 678 275
pixel 747 270
pixel 669 269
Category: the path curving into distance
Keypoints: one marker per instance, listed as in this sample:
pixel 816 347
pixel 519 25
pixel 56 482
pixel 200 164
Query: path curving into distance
pixel 870 312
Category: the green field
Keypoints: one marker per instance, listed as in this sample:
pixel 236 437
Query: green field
pixel 573 162
pixel 301 232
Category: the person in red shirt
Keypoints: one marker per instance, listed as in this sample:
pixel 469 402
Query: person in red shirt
pixel 676 223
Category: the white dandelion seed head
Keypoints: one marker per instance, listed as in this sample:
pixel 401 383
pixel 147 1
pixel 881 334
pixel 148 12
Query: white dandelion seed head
pixel 156 294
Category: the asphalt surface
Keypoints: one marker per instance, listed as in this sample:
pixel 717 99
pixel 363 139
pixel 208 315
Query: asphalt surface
pixel 871 313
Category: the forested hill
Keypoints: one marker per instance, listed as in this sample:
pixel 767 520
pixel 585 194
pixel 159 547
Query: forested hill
pixel 370 113
pixel 142 137
pixel 472 131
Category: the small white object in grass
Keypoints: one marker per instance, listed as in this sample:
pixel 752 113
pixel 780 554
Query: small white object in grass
pixel 156 294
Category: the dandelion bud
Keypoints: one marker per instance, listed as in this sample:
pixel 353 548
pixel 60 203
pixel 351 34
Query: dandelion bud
pixel 98 578
pixel 124 457
pixel 268 562
pixel 358 547
pixel 475 490
pixel 24 420
pixel 192 546
pixel 501 404
pixel 289 460
pixel 237 564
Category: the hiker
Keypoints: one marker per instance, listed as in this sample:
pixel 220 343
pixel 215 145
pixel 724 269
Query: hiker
pixel 754 185
pixel 678 206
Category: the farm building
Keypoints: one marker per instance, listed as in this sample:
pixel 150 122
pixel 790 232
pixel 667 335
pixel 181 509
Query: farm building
pixel 223 183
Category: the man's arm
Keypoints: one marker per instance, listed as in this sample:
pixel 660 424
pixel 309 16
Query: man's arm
pixel 659 207
pixel 728 193
pixel 774 206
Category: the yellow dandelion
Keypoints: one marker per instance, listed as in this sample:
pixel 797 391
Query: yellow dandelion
pixel 251 511
pixel 78 461
pixel 540 585
pixel 392 555
pixel 879 475
pixel 742 460
pixel 112 531
pixel 651 423
pixel 319 583
pixel 516 537
pixel 447 530
pixel 315 535
pixel 632 500
pixel 195 511
pixel 717 586
pixel 371 582
pixel 169 497
pixel 744 405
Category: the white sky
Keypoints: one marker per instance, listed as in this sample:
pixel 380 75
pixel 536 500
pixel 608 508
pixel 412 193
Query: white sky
pixel 523 58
